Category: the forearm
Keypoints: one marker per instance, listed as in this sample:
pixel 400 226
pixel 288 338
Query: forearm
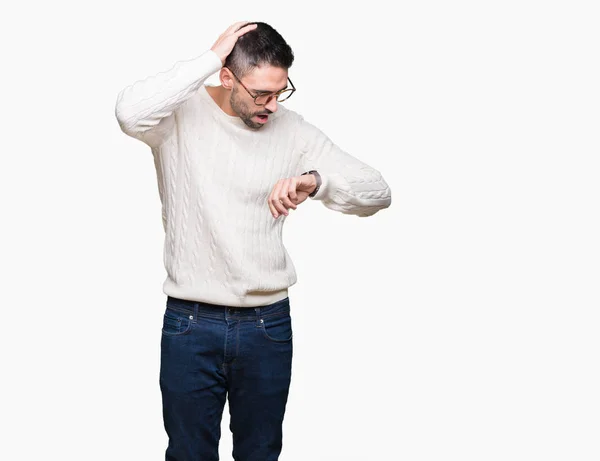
pixel 140 107
pixel 363 194
pixel 348 185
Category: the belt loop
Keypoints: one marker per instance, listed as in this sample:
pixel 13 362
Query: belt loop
pixel 257 310
pixel 196 311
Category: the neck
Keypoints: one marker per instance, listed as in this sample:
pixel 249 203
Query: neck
pixel 221 96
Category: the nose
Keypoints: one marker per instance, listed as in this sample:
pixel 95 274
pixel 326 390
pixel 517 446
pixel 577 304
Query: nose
pixel 272 105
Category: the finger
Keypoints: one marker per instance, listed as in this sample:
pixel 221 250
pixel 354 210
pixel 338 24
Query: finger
pixel 233 28
pixel 243 30
pixel 292 191
pixel 280 208
pixel 272 209
pixel 284 194
pixel 276 197
pixel 286 203
pixel 284 198
pixel 271 206
pixel 235 25
pixel 275 200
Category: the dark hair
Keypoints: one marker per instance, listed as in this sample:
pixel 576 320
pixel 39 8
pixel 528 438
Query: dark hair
pixel 262 45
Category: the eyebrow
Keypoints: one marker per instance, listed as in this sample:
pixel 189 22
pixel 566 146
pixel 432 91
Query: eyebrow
pixel 264 91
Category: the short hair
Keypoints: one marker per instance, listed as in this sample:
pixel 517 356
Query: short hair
pixel 260 46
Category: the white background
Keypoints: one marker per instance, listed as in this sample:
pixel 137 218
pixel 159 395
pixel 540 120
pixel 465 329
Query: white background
pixel 460 323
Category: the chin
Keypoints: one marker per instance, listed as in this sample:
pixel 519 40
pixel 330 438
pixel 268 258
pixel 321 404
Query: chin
pixel 254 126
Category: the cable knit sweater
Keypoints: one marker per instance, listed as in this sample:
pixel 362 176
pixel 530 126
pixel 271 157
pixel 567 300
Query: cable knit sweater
pixel 222 244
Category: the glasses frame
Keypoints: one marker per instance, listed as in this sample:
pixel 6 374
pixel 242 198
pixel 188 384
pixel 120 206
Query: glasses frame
pixel 271 96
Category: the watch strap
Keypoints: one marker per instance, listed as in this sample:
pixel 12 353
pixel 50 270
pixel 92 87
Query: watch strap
pixel 319 181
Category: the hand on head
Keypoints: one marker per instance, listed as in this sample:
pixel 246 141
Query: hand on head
pixel 227 40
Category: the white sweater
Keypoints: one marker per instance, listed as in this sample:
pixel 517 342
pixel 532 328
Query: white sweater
pixel 222 244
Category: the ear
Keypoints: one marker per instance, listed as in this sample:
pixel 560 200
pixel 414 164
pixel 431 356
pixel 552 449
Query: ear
pixel 226 78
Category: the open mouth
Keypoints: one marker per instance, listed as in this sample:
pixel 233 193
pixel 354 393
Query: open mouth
pixel 262 118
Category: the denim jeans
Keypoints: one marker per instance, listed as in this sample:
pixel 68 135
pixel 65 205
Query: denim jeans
pixel 211 352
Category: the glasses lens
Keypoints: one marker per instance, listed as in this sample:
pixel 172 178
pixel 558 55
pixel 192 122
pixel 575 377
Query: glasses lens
pixel 284 95
pixel 262 99
pixel 265 98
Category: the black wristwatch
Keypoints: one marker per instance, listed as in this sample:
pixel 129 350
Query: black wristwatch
pixel 318 178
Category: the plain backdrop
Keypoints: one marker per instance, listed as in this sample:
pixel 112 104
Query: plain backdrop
pixel 461 323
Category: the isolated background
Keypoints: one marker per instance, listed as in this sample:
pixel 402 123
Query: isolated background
pixel 460 323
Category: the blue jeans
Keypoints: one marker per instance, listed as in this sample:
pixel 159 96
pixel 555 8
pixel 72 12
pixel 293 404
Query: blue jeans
pixel 210 352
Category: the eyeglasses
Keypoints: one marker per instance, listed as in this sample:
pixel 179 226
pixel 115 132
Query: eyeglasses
pixel 263 99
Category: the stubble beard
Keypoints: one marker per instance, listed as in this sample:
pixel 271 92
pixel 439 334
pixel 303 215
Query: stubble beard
pixel 242 110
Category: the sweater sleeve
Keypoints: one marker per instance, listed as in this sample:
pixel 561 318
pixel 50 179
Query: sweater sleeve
pixel 349 185
pixel 145 108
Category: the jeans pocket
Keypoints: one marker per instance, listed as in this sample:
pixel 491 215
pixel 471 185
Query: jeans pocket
pixel 277 328
pixel 176 323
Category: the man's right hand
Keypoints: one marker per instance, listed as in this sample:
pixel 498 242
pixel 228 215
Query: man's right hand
pixel 227 40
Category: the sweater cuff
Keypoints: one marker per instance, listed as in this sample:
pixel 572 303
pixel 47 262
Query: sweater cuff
pixel 200 67
pixel 216 60
pixel 329 184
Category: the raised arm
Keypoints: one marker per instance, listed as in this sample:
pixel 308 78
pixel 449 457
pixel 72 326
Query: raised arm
pixel 349 185
pixel 145 109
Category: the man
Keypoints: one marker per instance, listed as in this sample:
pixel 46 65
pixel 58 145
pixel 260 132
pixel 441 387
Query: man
pixel 230 162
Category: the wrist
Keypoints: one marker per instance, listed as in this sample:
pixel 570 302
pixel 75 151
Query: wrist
pixel 318 181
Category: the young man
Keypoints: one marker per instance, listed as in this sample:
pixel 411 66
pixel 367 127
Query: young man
pixel 230 162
